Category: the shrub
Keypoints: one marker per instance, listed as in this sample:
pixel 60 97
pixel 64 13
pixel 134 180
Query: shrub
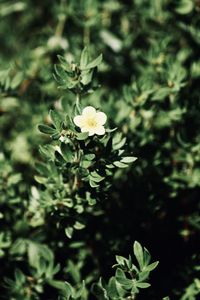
pixel 100 148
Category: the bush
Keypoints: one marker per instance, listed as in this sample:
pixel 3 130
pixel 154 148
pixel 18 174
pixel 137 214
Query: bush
pixel 99 152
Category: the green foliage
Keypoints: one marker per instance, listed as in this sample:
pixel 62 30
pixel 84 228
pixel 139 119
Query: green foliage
pixel 69 200
pixel 128 278
pixel 80 167
pixel 77 77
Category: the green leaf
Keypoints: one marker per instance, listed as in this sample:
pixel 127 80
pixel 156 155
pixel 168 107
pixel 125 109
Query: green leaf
pixel 14 179
pixel 42 168
pixel 120 259
pixel 112 289
pixel 64 287
pixel 56 119
pixel 46 129
pixel 95 180
pixel 128 159
pixel 69 232
pixel 99 291
pixel 122 279
pixel 60 72
pixel 185 7
pixel 161 93
pixel 80 291
pixel 94 176
pixel 19 247
pixel 118 144
pixel 33 254
pixel 64 63
pixel 40 179
pixel 111 40
pixel 78 226
pixel 82 136
pixel 146 256
pixel 110 166
pixel 9 8
pixel 143 275
pixel 93 184
pixel 111 130
pixel 59 158
pixel 55 136
pixel 152 266
pixel 63 82
pixel 67 152
pixel 94 63
pixel 138 252
pixel 86 164
pixel 89 157
pixel 143 285
pixel 84 58
pixel 120 164
pixel 86 77
pixel 47 152
pixel 20 277
pixel 16 81
pixel 74 271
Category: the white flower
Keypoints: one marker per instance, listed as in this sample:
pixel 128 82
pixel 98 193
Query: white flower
pixel 91 121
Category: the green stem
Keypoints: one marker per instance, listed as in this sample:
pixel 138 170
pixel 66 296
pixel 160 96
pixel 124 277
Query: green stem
pixel 75 183
pixel 60 26
pixel 61 21
pixel 78 98
pixel 86 36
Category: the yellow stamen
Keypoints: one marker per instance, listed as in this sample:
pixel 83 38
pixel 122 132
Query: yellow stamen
pixel 92 122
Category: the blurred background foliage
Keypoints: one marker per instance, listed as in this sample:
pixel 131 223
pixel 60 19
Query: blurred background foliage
pixel 150 91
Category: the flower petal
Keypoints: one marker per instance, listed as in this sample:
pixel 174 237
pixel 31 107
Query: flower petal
pixel 89 111
pixel 78 121
pixel 91 131
pixel 100 130
pixel 101 117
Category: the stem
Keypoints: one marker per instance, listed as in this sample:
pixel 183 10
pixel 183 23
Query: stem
pixel 78 98
pixel 60 26
pixel 75 183
pixel 86 36
pixel 61 22
pixel 77 159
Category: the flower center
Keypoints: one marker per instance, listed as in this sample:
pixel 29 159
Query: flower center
pixel 92 122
